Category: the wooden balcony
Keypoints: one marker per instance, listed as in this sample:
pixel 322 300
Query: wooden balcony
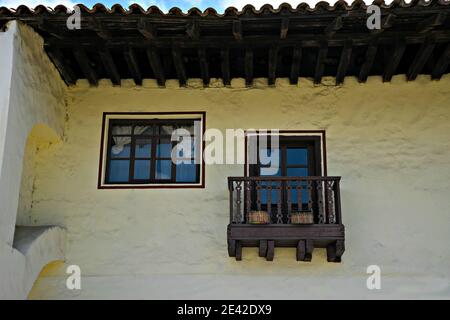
pixel 280 199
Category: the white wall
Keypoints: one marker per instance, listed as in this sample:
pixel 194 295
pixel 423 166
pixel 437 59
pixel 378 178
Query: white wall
pixel 389 142
pixel 32 96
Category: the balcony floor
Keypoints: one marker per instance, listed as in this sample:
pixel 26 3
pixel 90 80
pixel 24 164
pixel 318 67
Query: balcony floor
pixel 303 237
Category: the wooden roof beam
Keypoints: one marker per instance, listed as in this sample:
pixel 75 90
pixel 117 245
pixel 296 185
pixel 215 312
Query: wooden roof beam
pixel 157 67
pixel 225 64
pixel 204 68
pixel 295 68
pixel 320 66
pixel 63 67
pixel 442 64
pixel 430 23
pixel 237 30
pixel 284 28
pixel 110 66
pixel 386 23
pixel 44 25
pixel 147 29
pixel 85 65
pixel 422 56
pixel 273 61
pixel 133 66
pixel 248 67
pixel 368 63
pixel 179 66
pixel 344 62
pixel 334 27
pixel 192 30
pixel 100 29
pixel 394 60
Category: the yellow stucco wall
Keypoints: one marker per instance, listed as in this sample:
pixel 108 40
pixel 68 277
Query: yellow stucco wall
pixel 390 142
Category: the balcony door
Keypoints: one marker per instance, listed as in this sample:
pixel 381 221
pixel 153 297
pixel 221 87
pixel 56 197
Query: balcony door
pixel 299 156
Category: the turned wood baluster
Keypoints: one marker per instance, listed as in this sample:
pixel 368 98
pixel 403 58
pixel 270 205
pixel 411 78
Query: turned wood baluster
pixel 248 199
pixel 279 213
pixel 231 190
pixel 330 202
pixel 289 201
pixel 238 201
pixel 320 204
pixel 258 195
pixel 269 199
pixel 310 201
pixel 299 194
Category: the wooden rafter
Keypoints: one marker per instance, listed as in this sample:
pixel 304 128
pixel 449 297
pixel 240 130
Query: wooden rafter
pixel 157 67
pixel 248 67
pixel 394 60
pixel 85 66
pixel 284 28
pixel 133 65
pixel 295 68
pixel 110 66
pixel 63 67
pixel 147 29
pixel 225 66
pixel 334 27
pixel 425 51
pixel 204 68
pixel 98 27
pixel 320 65
pixel 273 61
pixel 430 23
pixel 368 62
pixel 237 30
pixel 344 62
pixel 179 66
pixel 441 64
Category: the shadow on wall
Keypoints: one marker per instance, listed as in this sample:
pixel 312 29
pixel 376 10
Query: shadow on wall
pixel 39 140
pixel 33 246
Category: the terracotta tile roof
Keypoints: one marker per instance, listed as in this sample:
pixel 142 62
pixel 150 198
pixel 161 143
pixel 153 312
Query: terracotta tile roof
pixel 248 10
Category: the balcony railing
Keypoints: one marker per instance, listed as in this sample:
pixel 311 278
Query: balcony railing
pixel 278 199
pixel 281 196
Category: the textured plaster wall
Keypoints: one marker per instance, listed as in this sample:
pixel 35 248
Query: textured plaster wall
pixel 390 142
pixel 32 98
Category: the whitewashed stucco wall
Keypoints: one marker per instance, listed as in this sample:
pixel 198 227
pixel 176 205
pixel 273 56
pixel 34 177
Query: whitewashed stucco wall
pixel 32 98
pixel 390 142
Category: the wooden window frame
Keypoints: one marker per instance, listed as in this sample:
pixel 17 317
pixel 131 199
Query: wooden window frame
pixel 153 118
pixel 318 137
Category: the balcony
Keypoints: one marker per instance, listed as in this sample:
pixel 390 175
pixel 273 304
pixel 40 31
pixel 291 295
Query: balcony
pixel 280 201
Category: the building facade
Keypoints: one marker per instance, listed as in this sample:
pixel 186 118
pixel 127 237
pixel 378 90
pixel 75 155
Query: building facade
pixel 78 188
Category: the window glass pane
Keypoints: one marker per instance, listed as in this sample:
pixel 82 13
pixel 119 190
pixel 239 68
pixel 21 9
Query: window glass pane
pixel 142 169
pixel 143 130
pixel 164 148
pixel 121 130
pixel 143 148
pixel 266 156
pixel 186 172
pixel 166 129
pixel 297 172
pixel 121 147
pixel 268 171
pixel 298 156
pixel 163 169
pixel 265 194
pixel 119 170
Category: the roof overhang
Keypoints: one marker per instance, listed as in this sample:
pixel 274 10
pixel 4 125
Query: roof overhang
pixel 285 42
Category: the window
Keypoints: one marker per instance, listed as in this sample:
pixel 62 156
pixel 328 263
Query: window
pixel 141 151
pixel 299 156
